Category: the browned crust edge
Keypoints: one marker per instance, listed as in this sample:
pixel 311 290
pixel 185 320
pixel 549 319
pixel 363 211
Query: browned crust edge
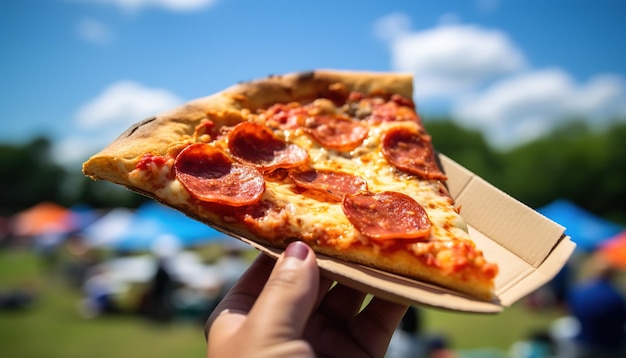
pixel 156 134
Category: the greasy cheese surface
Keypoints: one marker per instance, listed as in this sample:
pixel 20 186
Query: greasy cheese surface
pixel 311 219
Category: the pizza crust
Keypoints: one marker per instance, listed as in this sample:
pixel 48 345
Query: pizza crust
pixel 157 134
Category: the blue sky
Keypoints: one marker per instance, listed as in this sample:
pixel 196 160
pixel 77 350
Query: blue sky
pixel 82 71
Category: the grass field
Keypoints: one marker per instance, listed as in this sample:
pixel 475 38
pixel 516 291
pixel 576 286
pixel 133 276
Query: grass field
pixel 52 327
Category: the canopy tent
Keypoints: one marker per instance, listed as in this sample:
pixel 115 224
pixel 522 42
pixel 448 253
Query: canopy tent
pixel 83 216
pixel 42 219
pixel 155 224
pixel 613 250
pixel 107 230
pixel 587 230
pixel 48 218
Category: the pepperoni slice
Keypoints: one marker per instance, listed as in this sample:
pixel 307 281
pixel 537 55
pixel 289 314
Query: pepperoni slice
pixel 387 215
pixel 334 183
pixel 209 175
pixel 392 111
pixel 256 145
pixel 411 151
pixel 289 115
pixel 336 133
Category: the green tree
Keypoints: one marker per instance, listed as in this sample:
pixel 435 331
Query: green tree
pixel 28 175
pixel 574 162
pixel 467 147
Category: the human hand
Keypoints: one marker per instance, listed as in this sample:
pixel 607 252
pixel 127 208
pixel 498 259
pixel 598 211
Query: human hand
pixel 284 308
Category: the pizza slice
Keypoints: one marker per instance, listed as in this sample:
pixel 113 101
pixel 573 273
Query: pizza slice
pixel 339 160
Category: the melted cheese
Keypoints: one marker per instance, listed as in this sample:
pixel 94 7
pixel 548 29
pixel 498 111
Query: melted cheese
pixel 312 218
pixel 368 162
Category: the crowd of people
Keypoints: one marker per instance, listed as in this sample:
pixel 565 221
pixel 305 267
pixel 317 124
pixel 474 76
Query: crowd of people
pixel 589 293
pixel 597 303
pixel 172 286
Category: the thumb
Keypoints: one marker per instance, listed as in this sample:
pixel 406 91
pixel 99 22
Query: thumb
pixel 289 295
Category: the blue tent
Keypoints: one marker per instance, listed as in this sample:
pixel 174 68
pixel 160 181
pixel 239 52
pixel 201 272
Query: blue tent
pixel 83 216
pixel 587 230
pixel 153 221
pixel 107 230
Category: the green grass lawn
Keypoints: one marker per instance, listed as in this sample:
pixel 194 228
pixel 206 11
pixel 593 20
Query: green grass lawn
pixel 52 327
pixel 471 331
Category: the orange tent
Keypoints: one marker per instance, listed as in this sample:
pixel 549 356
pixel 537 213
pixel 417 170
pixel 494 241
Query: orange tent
pixel 43 218
pixel 614 250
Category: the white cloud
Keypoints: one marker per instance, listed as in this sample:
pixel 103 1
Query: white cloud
pixel 602 98
pixel 124 103
pixel 72 151
pixel 450 58
pixel 94 31
pixel 103 118
pixel 173 5
pixel 484 80
pixel 529 105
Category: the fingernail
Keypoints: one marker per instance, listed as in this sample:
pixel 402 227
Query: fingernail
pixel 298 250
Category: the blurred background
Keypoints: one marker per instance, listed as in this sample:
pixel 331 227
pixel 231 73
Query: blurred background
pixel 530 95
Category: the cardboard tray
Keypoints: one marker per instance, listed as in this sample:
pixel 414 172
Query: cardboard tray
pixel 529 249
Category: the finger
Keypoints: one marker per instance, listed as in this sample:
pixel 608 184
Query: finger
pixel 342 303
pixel 325 285
pixel 241 297
pixel 287 300
pixel 373 327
